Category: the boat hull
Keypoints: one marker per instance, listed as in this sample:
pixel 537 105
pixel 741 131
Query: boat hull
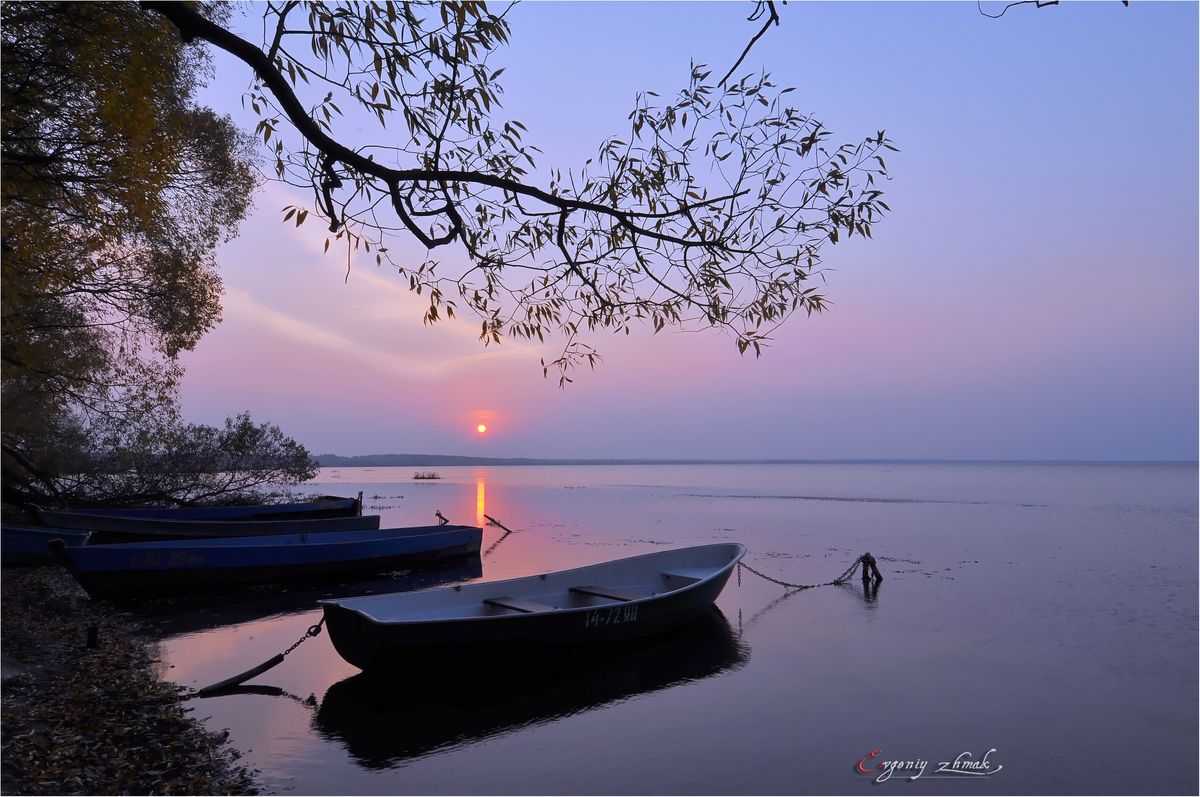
pixel 373 645
pixel 171 567
pixel 108 529
pixel 324 507
pixel 30 545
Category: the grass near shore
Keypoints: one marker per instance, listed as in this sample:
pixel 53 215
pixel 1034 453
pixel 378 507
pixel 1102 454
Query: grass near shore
pixel 79 720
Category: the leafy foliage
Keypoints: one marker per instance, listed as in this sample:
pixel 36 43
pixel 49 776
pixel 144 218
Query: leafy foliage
pixel 712 210
pixel 117 188
pixel 188 463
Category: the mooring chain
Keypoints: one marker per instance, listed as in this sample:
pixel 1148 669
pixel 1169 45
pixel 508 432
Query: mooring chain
pixel 313 630
pixel 237 680
pixel 866 560
pixel 842 578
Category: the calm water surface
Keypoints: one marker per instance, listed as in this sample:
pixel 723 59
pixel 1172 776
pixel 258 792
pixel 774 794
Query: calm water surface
pixel 1048 612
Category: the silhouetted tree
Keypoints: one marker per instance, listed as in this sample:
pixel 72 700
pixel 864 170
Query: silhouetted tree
pixel 711 210
pixel 116 190
pixel 172 462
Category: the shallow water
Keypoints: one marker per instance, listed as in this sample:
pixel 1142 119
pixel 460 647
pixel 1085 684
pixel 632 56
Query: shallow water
pixel 1048 612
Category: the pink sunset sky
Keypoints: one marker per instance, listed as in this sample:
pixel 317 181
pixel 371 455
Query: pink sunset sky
pixel 1032 296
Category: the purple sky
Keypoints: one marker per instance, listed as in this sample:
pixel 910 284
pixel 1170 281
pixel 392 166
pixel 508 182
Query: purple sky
pixel 1032 296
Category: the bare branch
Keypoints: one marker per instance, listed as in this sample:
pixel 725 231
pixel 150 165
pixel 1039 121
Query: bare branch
pixel 767 6
pixel 1003 11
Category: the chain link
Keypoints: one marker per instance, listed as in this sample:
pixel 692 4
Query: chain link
pixel 313 630
pixel 843 577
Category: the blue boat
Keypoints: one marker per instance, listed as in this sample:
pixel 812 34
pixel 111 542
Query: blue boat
pixel 30 545
pixel 108 529
pixel 327 506
pixel 163 567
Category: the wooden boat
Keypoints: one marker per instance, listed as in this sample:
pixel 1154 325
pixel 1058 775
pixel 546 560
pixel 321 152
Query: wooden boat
pixel 122 529
pixel 166 566
pixel 324 507
pixel 29 545
pixel 383 721
pixel 603 603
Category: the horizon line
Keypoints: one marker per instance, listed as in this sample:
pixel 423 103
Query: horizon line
pixel 468 459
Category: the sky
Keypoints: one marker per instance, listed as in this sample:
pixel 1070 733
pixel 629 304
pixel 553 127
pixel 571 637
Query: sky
pixel 1033 294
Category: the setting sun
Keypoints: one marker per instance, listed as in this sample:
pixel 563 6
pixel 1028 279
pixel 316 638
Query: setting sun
pixel 481 428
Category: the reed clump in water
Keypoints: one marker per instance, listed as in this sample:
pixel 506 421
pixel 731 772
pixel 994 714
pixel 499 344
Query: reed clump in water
pixel 426 474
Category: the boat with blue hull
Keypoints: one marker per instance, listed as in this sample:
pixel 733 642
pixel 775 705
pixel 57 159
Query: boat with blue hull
pixel 30 545
pixel 111 529
pixel 617 601
pixel 326 506
pixel 157 568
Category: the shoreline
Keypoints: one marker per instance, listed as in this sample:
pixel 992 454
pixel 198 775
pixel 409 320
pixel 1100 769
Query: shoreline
pixel 102 720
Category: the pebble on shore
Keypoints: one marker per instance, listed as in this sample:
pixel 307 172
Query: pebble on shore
pixel 80 720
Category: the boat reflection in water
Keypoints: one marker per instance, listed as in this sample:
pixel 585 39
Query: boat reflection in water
pixel 192 613
pixel 386 719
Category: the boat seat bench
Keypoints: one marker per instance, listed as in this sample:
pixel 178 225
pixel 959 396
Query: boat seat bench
pixel 685 576
pixel 519 605
pixel 607 592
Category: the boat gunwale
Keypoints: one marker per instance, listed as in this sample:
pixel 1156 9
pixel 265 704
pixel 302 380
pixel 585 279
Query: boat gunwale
pixel 168 523
pixel 556 611
pixel 44 531
pixel 249 511
pixel 273 540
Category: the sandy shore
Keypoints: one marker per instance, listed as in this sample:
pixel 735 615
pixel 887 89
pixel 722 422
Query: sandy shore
pixel 80 720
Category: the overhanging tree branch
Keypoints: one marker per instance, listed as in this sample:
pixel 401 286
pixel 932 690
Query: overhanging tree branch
pixel 762 7
pixel 193 26
pixel 711 212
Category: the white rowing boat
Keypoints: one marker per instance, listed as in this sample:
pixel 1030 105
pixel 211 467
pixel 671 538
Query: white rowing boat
pixel 603 603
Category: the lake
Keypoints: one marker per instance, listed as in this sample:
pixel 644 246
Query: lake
pixel 1044 613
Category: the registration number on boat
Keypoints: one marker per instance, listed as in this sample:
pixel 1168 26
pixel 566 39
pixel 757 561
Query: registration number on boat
pixel 174 559
pixel 611 616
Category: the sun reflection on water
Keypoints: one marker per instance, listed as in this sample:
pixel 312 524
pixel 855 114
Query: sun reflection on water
pixel 480 499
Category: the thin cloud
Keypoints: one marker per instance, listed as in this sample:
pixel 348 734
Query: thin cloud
pixel 243 307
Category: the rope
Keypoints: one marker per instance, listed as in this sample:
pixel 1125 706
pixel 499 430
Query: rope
pixel 788 585
pixel 315 630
